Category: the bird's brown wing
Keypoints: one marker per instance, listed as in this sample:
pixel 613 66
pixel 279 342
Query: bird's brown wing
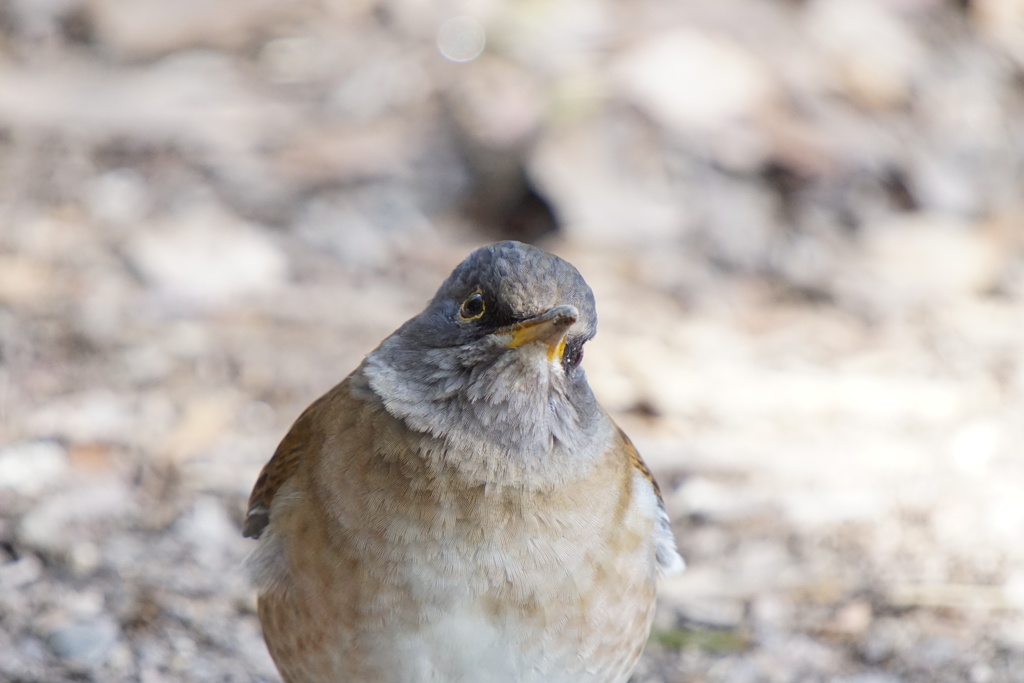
pixel 666 554
pixel 304 437
pixel 280 469
pixel 637 462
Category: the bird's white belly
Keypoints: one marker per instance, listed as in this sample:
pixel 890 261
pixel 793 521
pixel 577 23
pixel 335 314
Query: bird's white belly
pixel 461 646
pixel 464 646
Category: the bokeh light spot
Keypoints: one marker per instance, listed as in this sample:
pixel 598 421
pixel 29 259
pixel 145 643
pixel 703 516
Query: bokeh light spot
pixel 461 39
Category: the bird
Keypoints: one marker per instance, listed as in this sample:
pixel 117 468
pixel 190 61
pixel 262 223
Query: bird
pixel 460 509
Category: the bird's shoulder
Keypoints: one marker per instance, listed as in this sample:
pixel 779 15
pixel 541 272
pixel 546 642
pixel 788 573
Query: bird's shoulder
pixel 635 460
pixel 668 559
pixel 302 443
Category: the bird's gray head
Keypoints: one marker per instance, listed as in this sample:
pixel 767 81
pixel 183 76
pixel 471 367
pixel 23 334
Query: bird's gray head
pixel 494 359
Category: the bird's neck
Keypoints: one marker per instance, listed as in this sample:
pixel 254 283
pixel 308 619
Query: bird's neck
pixel 493 425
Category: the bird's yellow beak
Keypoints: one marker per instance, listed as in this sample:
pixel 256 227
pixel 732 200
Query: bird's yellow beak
pixel 548 328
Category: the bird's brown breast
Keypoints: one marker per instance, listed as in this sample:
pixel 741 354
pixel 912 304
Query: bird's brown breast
pixel 379 537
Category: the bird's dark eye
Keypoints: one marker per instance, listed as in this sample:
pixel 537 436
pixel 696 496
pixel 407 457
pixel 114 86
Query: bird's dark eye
pixel 573 355
pixel 473 307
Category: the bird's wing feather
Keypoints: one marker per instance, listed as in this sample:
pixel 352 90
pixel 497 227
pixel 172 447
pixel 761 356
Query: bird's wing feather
pixel 668 557
pixel 286 462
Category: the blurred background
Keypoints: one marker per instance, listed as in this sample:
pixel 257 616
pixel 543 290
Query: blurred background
pixel 803 222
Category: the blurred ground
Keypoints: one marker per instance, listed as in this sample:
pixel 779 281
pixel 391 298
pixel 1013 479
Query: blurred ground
pixel 802 221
